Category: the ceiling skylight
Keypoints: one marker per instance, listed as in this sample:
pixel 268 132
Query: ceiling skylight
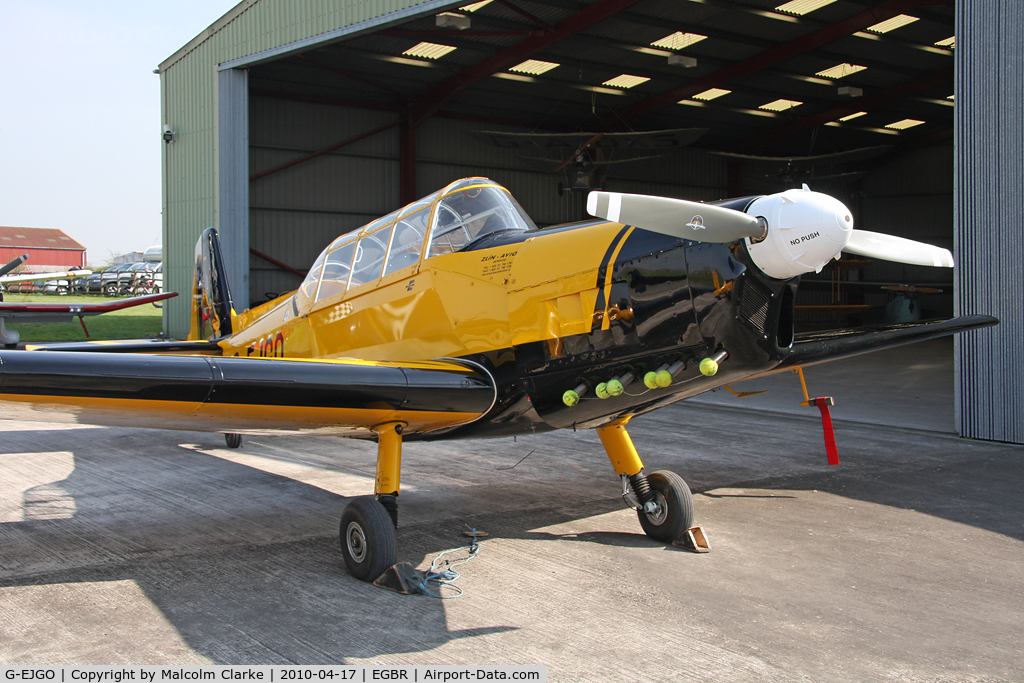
pixel 801 7
pixel 625 81
pixel 904 124
pixel 851 117
pixel 948 42
pixel 840 70
pixel 428 50
pixel 534 67
pixel 678 40
pixel 475 6
pixel 780 105
pixel 711 94
pixel 892 24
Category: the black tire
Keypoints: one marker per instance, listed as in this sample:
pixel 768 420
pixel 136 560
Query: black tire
pixel 233 440
pixel 62 290
pixel 367 538
pixel 110 289
pixel 675 513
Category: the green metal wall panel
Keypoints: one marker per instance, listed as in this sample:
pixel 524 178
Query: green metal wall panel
pixel 188 82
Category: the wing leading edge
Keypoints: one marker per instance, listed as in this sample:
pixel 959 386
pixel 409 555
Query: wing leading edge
pixel 242 395
pixel 47 312
pixel 822 347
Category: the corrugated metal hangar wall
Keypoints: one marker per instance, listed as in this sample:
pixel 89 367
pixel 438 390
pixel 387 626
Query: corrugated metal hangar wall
pixel 238 133
pixel 989 233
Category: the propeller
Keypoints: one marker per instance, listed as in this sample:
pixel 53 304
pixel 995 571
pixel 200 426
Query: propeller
pixel 789 233
pixel 13 264
pixel 675 217
pixel 890 248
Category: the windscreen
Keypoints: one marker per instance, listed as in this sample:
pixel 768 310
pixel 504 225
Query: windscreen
pixel 472 211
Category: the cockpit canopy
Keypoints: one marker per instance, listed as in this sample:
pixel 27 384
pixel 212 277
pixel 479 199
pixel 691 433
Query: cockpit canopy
pixel 441 223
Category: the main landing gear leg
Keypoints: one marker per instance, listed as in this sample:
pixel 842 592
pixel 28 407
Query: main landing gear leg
pixel 662 500
pixel 368 522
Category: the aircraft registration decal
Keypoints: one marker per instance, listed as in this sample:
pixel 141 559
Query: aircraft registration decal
pixel 271 346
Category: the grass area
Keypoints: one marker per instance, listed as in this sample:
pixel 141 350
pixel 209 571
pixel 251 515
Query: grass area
pixel 138 322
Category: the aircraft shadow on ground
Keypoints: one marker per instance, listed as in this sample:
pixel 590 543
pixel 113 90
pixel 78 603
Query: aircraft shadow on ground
pixel 211 585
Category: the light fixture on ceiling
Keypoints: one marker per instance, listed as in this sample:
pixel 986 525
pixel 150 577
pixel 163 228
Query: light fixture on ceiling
pixel 452 20
pixel 801 7
pixel 534 67
pixel 851 117
pixel 840 70
pixel 678 40
pixel 625 81
pixel 428 50
pixel 780 105
pixel 904 124
pixel 711 94
pixel 892 24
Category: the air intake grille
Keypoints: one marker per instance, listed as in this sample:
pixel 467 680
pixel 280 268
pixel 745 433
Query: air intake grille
pixel 754 305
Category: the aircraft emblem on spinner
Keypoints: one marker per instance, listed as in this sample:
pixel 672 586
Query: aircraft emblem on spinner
pixel 697 223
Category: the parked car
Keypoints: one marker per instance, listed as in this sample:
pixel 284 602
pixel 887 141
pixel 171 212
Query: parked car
pixel 24 287
pixel 105 282
pixel 57 287
pixel 139 279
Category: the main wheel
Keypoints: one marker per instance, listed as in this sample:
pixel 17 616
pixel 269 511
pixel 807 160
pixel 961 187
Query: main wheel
pixel 233 440
pixel 673 514
pixel 367 538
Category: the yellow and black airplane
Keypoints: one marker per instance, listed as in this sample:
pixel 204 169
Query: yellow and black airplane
pixel 456 317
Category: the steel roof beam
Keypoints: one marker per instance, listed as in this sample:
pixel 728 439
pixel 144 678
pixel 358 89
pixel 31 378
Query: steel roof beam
pixel 770 57
pixel 440 94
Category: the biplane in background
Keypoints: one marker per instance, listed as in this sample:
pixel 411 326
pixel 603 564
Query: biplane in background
pixel 46 312
pixel 455 317
pixel 584 158
pixel 794 171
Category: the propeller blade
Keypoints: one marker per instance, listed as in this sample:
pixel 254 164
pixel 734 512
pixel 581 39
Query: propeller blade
pixel 13 264
pixel 583 148
pixel 675 217
pixel 890 248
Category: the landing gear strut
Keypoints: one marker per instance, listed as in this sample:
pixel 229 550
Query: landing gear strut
pixel 662 500
pixel 368 524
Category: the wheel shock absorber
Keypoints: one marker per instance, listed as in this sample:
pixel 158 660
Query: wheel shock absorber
pixel 641 488
pixel 390 503
pixel 635 488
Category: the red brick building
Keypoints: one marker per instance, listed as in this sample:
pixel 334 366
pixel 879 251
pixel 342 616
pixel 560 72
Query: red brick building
pixel 48 248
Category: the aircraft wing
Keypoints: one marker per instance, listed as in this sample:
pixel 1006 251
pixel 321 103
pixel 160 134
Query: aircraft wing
pixel 35 277
pixel 822 347
pixel 859 154
pixel 246 395
pixel 46 312
pixel 651 139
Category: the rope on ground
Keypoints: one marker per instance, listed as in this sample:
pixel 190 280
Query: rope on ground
pixel 439 578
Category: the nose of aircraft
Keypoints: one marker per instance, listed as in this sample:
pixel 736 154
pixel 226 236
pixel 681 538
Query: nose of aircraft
pixel 836 219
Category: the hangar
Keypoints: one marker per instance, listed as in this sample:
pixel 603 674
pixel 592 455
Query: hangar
pixel 288 123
